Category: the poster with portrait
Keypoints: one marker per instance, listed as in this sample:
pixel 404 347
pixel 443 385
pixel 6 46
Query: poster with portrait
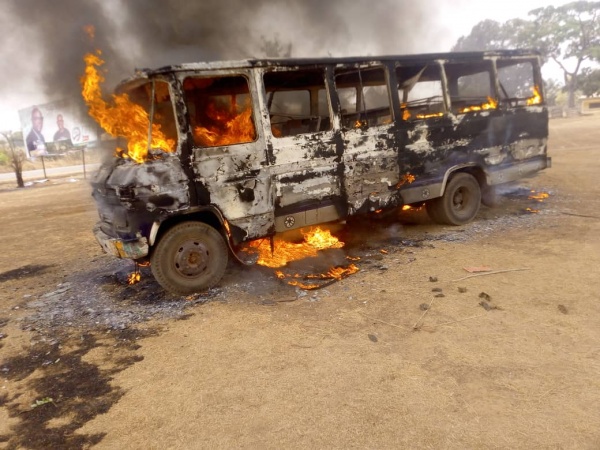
pixel 55 128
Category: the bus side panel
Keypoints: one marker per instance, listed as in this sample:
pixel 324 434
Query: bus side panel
pixel 505 145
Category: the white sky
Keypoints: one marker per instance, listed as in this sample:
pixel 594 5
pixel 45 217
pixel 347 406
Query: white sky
pixel 453 18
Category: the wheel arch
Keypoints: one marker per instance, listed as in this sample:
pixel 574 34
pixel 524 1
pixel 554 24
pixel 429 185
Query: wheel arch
pixel 472 169
pixel 209 215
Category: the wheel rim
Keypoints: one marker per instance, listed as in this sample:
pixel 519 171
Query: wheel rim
pixel 460 199
pixel 192 258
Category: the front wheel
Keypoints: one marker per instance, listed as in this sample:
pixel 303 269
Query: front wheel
pixel 460 202
pixel 190 257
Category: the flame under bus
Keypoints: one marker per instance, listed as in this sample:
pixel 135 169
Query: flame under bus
pixel 245 150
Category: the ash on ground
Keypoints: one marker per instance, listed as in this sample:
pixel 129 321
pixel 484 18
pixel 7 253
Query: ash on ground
pixel 102 299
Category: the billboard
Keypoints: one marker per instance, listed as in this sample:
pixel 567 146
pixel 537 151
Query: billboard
pixel 56 127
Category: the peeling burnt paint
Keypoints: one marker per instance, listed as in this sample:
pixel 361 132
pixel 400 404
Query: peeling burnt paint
pixel 131 197
pixel 276 180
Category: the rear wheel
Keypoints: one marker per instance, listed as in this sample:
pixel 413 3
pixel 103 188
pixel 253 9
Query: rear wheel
pixel 460 202
pixel 190 257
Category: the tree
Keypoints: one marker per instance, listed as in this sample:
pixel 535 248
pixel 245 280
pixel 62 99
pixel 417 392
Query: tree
pixel 17 156
pixel 589 81
pixel 568 34
pixel 551 90
pixel 491 35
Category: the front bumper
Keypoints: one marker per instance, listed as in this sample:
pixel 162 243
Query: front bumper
pixel 130 249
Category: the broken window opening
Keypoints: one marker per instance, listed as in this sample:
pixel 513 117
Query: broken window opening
pixel 297 102
pixel 517 83
pixel 220 110
pixel 153 127
pixel 421 91
pixel 471 86
pixel 364 97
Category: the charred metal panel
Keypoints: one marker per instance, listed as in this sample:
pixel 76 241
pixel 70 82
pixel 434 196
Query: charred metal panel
pixel 236 177
pixel 131 197
pixel 371 170
pixel 238 184
pixel 354 164
pixel 490 140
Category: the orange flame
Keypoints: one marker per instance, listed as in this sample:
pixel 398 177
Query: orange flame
pixel 315 239
pixel 430 115
pixel 335 273
pixel 134 277
pixel 491 104
pixel 284 252
pixel 90 30
pixel 230 127
pixel 122 117
pixel 540 197
pixel 536 98
pixel 407 178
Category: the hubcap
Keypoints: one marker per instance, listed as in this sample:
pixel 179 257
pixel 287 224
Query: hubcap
pixel 192 258
pixel 458 201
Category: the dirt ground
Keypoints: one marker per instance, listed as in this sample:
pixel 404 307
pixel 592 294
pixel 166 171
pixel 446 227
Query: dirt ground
pixel 406 353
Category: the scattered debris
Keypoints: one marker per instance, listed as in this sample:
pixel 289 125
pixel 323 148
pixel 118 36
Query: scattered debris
pixel 416 325
pixel 41 402
pixel 486 305
pixel 477 269
pixel 490 273
pixel 580 215
pixel 485 296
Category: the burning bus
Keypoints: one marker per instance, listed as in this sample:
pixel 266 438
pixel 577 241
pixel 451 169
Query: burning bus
pixel 218 154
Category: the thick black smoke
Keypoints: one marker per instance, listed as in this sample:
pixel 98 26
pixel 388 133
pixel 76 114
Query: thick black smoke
pixel 46 41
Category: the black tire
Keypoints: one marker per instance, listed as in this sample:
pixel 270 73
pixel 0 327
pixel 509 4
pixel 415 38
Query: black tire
pixel 490 197
pixel 460 202
pixel 190 257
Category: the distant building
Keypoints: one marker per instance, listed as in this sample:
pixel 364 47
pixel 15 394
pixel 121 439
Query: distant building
pixel 590 105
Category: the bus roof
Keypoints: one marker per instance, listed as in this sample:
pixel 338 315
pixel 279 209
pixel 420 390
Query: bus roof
pixel 274 62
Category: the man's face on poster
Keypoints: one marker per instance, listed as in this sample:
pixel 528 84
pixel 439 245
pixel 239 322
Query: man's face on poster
pixel 38 120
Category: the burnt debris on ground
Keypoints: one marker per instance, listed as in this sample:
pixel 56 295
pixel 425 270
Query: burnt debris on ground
pixel 103 299
pixel 97 310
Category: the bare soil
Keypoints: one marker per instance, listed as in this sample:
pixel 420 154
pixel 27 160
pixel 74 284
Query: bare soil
pixel 412 351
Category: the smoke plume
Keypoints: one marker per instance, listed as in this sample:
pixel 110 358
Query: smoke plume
pixel 45 41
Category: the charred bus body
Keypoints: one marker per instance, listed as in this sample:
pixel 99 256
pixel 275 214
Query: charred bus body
pixel 259 147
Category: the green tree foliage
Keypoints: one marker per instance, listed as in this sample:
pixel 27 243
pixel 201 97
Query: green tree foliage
pixel 491 35
pixel 567 34
pixel 589 81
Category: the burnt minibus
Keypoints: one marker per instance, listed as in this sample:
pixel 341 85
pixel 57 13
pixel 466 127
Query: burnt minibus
pixel 249 149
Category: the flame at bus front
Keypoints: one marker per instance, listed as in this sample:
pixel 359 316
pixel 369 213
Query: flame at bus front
pixel 121 117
